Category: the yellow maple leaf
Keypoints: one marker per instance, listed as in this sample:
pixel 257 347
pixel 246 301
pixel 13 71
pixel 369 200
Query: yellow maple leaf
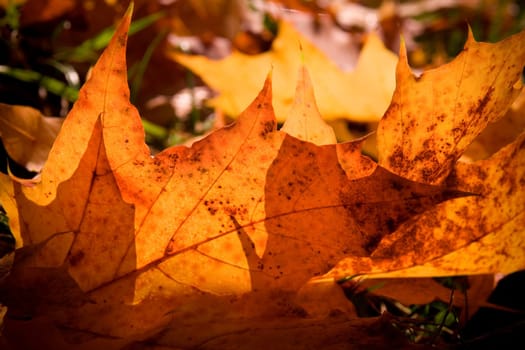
pixel 361 95
pixel 434 117
pixel 500 133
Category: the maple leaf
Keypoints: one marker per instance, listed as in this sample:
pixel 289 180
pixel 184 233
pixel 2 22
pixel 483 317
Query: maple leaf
pixel 27 135
pixel 304 120
pixel 361 95
pixel 473 235
pixel 411 291
pixel 126 245
pixel 434 117
pixel 500 133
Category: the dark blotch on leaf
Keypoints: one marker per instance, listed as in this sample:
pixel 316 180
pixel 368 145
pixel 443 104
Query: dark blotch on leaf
pixel 268 127
pixel 482 103
pixel 76 258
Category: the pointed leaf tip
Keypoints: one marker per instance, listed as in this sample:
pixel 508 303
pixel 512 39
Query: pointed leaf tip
pixel 304 120
pixel 433 118
pixel 403 58
pixel 131 6
pixel 126 19
pixel 470 35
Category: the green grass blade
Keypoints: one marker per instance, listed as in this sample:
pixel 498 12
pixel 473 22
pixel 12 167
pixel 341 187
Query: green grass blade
pixel 52 85
pixel 143 64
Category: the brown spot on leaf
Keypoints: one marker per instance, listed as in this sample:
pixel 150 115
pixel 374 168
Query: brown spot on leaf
pixel 397 158
pixel 122 39
pixel 268 127
pixel 76 258
pixel 482 103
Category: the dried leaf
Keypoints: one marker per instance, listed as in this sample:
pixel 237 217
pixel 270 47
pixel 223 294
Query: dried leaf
pixel 500 133
pixel 304 120
pixel 128 245
pixel 212 246
pixel 433 118
pixel 288 333
pixel 27 135
pixel 412 291
pixel 472 235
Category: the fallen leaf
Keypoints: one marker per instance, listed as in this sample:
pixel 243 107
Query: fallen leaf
pixel 212 246
pixel 321 300
pixel 409 291
pixel 477 234
pixel 500 133
pixel 413 291
pixel 288 333
pixel 360 95
pixel 27 135
pixel 471 235
pixel 129 246
pixel 434 117
pixel 304 120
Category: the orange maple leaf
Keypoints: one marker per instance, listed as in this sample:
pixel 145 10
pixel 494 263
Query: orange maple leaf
pixel 472 235
pixel 431 121
pixel 434 117
pixel 123 242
